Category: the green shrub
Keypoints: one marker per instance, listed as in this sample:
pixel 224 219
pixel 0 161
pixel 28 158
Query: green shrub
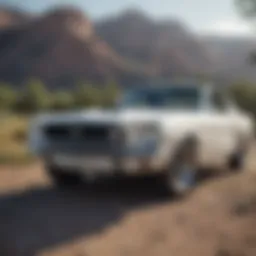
pixel 33 98
pixel 13 140
pixel 87 95
pixel 62 101
pixel 8 97
pixel 245 96
pixel 109 94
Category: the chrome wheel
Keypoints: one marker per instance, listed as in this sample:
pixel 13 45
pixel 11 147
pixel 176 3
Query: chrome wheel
pixel 181 179
pixel 182 174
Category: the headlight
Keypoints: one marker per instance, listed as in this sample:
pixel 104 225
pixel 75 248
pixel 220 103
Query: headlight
pixel 144 138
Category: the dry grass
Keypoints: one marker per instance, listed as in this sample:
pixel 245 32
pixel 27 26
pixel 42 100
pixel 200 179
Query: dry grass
pixel 13 139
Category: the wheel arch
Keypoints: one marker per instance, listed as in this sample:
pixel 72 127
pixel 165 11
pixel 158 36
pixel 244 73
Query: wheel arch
pixel 190 140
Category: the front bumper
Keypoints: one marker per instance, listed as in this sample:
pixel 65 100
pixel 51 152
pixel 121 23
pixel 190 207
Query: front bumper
pixel 131 165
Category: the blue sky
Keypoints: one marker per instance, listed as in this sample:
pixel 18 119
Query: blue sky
pixel 205 16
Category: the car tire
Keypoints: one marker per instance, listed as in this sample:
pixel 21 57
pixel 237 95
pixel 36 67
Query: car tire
pixel 237 162
pixel 61 178
pixel 182 174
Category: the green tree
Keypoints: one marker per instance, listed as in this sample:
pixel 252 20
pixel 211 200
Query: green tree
pixel 247 8
pixel 34 97
pixel 7 97
pixel 109 94
pixel 62 101
pixel 245 96
pixel 87 95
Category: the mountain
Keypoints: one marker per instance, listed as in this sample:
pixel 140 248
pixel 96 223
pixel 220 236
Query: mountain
pixel 167 45
pixel 62 47
pixel 232 57
pixel 12 17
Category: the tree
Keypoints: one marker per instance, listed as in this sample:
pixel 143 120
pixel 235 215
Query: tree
pixel 62 101
pixel 34 97
pixel 245 94
pixel 87 95
pixel 109 94
pixel 7 97
pixel 247 8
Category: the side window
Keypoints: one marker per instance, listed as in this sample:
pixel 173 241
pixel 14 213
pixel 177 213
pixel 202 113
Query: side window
pixel 218 101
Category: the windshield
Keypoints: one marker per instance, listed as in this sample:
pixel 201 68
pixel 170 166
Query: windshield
pixel 173 98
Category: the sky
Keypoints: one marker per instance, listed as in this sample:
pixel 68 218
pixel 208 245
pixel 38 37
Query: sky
pixel 203 16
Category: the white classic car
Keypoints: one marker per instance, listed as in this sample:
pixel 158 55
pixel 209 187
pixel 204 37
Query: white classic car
pixel 175 131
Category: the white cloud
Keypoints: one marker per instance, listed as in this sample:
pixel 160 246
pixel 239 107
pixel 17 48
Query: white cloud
pixel 229 27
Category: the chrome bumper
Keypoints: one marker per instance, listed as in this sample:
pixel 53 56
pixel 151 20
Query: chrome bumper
pixel 96 165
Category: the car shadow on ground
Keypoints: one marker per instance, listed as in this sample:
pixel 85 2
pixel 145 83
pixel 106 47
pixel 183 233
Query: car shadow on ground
pixel 40 218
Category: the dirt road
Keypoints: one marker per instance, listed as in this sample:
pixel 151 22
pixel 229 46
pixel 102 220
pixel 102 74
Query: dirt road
pixel 125 217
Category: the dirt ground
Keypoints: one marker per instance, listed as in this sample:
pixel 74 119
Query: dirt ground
pixel 126 217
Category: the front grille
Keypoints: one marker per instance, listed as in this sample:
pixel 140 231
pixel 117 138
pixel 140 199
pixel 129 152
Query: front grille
pixel 57 132
pixel 78 132
pixel 82 138
pixel 94 132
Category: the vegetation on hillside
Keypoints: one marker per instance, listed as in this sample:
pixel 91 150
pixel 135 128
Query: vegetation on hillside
pixel 34 97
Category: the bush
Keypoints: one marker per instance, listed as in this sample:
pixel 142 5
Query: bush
pixel 109 94
pixel 8 97
pixel 13 140
pixel 62 101
pixel 20 135
pixel 245 96
pixel 87 95
pixel 34 98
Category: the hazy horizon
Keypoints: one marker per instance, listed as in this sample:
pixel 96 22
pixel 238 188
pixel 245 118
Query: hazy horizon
pixel 218 17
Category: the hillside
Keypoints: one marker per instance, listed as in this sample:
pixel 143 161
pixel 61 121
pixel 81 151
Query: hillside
pixel 233 57
pixel 166 45
pixel 9 18
pixel 62 47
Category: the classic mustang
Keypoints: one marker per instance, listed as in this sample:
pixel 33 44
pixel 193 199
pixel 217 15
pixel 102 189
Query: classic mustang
pixel 176 131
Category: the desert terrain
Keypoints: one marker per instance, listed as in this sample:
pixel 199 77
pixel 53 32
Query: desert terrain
pixel 126 217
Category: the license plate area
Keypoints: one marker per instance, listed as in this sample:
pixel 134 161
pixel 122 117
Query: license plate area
pixel 86 163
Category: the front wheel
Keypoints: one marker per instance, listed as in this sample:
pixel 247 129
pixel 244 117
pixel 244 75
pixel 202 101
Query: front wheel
pixel 182 174
pixel 181 179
